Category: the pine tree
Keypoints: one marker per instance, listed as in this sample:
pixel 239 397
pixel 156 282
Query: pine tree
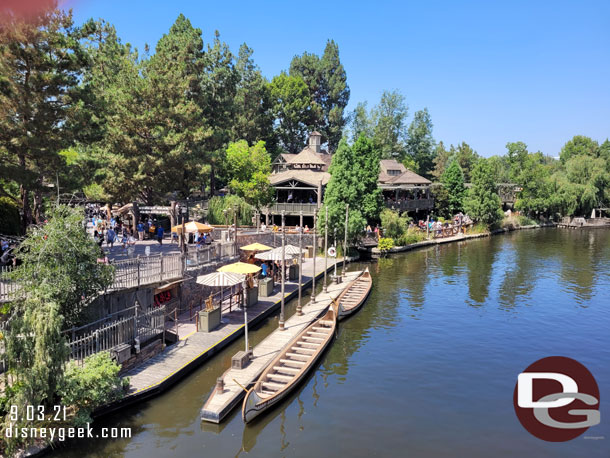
pixel 482 202
pixel 453 182
pixel 420 144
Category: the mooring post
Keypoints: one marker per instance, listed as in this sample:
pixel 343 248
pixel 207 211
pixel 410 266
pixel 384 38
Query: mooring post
pixel 220 385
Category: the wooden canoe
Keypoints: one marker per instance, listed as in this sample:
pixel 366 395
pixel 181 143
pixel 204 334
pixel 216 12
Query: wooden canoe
pixel 291 366
pixel 352 298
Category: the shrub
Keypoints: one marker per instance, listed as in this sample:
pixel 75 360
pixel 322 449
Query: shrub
pixel 412 236
pixel 88 387
pixel 478 228
pixel 9 217
pixel 385 244
pixel 218 204
pixel 394 225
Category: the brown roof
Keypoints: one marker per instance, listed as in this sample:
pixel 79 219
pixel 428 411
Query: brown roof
pixel 405 176
pixel 310 177
pixel 307 157
pixel 315 132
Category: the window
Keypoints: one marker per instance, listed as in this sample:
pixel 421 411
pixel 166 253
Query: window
pixel 393 172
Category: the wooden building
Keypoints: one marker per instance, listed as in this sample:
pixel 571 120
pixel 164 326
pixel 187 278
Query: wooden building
pixel 404 190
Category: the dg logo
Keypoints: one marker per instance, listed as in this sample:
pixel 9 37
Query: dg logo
pixel 557 399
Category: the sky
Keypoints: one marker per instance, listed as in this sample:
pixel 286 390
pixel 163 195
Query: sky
pixel 489 72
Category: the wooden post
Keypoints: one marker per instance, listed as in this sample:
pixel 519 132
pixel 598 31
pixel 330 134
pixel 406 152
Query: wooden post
pixel 138 265
pixel 299 307
pixel 315 249
pixel 235 224
pixel 281 324
pixel 176 322
pixel 345 238
pixel 161 267
pixel 325 287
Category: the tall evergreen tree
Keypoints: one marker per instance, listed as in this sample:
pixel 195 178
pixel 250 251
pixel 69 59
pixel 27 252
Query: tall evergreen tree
pixel 482 202
pixel 420 144
pixel 41 61
pixel 453 182
pixel 441 159
pixel 390 131
pixel 327 82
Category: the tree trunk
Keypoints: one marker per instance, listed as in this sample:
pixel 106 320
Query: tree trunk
pixel 172 213
pixel 38 204
pixel 212 184
pixel 25 200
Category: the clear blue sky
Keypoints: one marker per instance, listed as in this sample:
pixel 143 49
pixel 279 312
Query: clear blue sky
pixel 489 72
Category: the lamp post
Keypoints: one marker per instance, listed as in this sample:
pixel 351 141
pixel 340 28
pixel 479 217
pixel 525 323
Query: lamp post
pixel 325 288
pixel 283 272
pixel 184 211
pixel 345 238
pixel 335 242
pixel 235 236
pixel 299 308
pixel 313 278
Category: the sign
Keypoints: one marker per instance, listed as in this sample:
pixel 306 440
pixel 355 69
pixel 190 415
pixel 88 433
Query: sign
pixel 155 209
pixel 556 399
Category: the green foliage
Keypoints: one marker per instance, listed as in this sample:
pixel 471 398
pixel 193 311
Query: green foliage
pixel 478 228
pixel 327 82
pixel 354 171
pixel 482 202
pixel 9 217
pixel 466 157
pixel 411 236
pixel 453 183
pixel 249 168
pixel 420 144
pixel 389 127
pixel 91 386
pixel 385 244
pixel 218 205
pixel 41 61
pixel 393 225
pixel 292 110
pixel 579 145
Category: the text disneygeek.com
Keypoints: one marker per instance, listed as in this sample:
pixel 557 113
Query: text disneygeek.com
pixel 62 433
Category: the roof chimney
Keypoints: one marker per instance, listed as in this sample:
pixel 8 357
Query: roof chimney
pixel 315 139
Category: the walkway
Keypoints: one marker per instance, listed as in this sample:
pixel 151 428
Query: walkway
pixel 175 361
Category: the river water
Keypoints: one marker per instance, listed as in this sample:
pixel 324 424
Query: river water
pixel 426 368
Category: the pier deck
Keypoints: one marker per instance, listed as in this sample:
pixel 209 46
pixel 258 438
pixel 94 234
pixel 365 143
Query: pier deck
pixel 156 374
pixel 219 405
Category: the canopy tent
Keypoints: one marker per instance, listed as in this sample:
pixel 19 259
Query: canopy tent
pixel 220 279
pixel 240 268
pixel 192 227
pixel 276 253
pixel 255 247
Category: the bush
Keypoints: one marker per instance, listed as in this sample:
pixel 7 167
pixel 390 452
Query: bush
pixel 412 236
pixel 525 221
pixel 394 225
pixel 88 387
pixel 478 228
pixel 218 204
pixel 385 244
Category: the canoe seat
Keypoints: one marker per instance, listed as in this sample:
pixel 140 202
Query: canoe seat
pixel 309 351
pixel 273 386
pixel 292 362
pixel 300 356
pixel 286 370
pixel 280 378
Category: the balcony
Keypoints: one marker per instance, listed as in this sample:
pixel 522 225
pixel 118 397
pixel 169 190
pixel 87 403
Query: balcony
pixel 408 205
pixel 292 208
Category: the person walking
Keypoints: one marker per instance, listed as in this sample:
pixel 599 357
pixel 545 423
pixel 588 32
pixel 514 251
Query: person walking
pixel 140 228
pixel 160 235
pixel 110 237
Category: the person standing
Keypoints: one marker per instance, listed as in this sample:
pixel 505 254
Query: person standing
pixel 140 228
pixel 160 235
pixel 110 237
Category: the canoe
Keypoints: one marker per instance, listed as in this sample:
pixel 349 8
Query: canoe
pixel 352 298
pixel 291 366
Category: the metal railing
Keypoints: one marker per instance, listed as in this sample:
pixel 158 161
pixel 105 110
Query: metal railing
pixel 145 327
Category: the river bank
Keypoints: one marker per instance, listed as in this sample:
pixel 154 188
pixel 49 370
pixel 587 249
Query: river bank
pixel 376 252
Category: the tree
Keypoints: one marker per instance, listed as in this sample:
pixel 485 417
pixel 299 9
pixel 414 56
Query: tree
pixel 253 120
pixel 58 279
pixel 360 122
pixel 291 109
pixel 327 82
pixel 453 182
pixel 354 171
pixel 466 157
pixel 516 157
pixel 41 61
pixel 482 202
pixel 420 144
pixel 249 169
pixel 389 131
pixel 441 159
pixel 579 145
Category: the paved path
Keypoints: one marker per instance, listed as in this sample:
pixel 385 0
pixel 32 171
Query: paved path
pixel 152 376
pixel 219 405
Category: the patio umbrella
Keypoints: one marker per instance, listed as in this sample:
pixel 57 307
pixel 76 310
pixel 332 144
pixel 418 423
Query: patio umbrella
pixel 240 268
pixel 192 226
pixel 255 247
pixel 220 279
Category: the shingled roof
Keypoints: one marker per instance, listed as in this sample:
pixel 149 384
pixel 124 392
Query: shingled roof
pixel 310 177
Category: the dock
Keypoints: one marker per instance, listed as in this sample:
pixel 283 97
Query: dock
pixel 175 362
pixel 219 405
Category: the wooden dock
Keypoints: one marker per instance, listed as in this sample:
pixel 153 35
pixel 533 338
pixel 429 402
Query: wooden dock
pixel 219 405
pixel 163 370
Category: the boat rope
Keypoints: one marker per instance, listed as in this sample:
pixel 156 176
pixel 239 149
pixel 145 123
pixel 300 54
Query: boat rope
pixel 242 387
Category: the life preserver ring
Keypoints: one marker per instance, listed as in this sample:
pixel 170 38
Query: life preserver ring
pixel 332 252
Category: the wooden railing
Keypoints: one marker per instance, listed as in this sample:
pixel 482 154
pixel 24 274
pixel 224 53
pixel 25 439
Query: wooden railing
pixel 410 204
pixel 7 287
pixel 293 208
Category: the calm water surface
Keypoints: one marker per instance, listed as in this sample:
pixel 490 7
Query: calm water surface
pixel 426 368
